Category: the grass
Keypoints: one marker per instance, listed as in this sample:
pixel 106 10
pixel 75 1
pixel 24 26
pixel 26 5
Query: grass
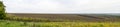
pixel 5 23
pixel 40 22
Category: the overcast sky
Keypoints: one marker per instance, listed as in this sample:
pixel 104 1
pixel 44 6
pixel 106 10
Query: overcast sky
pixel 62 6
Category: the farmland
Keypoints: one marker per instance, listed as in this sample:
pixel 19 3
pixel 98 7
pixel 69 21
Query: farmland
pixel 69 17
pixel 59 20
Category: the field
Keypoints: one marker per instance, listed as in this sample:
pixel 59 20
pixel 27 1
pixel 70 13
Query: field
pixel 60 20
pixel 58 24
pixel 70 17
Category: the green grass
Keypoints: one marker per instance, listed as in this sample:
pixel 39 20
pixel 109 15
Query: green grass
pixel 4 23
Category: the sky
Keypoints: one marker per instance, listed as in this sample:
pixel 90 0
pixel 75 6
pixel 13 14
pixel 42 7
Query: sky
pixel 62 6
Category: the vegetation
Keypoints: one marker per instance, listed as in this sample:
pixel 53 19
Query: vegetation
pixel 5 23
pixel 2 10
pixel 29 22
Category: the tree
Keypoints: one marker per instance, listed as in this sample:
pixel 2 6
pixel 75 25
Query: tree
pixel 2 10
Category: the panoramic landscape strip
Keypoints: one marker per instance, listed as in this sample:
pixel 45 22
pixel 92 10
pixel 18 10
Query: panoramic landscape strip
pixel 56 20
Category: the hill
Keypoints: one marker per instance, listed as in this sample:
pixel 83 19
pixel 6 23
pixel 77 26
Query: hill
pixel 71 17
